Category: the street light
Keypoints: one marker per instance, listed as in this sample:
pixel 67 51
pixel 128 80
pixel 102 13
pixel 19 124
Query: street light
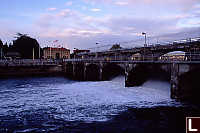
pixel 145 43
pixel 97 50
pixel 145 37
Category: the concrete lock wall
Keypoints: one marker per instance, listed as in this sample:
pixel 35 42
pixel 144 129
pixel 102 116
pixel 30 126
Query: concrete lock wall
pixel 24 71
pixel 185 81
pixel 184 78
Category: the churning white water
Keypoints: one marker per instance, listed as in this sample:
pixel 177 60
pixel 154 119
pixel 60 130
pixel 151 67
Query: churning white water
pixel 75 101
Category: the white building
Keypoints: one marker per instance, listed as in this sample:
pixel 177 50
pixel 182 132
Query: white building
pixel 175 55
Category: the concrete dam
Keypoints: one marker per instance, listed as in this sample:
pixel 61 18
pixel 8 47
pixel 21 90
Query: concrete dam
pixel 183 76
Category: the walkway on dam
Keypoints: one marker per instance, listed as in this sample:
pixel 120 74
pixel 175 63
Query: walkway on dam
pixel 29 62
pixel 133 61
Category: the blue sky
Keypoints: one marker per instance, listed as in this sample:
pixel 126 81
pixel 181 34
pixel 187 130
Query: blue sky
pixel 82 23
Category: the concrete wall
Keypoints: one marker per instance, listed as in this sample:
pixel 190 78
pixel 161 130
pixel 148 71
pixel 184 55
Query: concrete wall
pixel 185 81
pixel 7 72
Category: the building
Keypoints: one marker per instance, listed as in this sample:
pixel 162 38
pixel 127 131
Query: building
pixel 175 56
pixel 136 57
pixel 56 53
pixel 77 53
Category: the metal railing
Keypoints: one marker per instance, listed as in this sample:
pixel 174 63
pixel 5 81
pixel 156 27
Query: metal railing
pixel 188 57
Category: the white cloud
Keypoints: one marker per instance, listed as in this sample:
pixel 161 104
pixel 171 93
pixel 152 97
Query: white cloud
pixel 81 30
pixel 95 10
pixel 51 9
pixel 121 3
pixel 64 25
pixel 64 13
pixel 167 4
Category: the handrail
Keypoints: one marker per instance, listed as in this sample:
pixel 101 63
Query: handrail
pixel 184 57
pixel 167 57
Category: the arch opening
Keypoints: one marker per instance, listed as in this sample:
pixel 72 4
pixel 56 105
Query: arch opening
pixel 143 72
pixel 68 69
pixel 79 71
pixel 111 71
pixel 92 72
pixel 189 85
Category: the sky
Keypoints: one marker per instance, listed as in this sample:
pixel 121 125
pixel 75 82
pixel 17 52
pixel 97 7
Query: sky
pixel 97 23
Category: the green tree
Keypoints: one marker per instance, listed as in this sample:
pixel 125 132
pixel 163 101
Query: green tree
pixel 24 44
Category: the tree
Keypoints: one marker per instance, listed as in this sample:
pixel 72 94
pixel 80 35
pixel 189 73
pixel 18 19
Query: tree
pixel 5 48
pixel 1 49
pixel 25 45
pixel 115 46
pixel 1 44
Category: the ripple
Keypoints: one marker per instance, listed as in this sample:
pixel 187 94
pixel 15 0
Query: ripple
pixel 80 101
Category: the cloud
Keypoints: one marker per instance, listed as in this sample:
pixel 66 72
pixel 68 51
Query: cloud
pixel 51 9
pixel 83 29
pixel 93 2
pixel 95 10
pixel 64 13
pixel 121 3
pixel 90 29
pixel 69 3
pixel 167 4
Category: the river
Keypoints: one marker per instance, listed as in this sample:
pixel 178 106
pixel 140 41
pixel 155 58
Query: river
pixel 48 104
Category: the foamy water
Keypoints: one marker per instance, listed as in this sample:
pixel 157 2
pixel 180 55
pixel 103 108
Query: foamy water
pixel 75 101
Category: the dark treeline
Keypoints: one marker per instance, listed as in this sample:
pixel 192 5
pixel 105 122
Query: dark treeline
pixel 1 44
pixel 22 47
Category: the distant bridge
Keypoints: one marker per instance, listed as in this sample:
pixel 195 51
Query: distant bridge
pixel 191 46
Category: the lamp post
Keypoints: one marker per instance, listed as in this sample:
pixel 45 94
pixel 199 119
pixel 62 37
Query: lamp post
pixel 145 43
pixel 145 38
pixel 96 56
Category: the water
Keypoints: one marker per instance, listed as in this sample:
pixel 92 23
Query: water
pixel 49 98
pixel 87 101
